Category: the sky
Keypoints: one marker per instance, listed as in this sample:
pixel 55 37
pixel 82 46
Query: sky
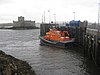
pixel 63 10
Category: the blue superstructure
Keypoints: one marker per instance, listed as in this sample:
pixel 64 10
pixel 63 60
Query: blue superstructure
pixel 73 23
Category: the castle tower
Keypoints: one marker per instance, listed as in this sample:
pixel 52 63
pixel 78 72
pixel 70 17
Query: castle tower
pixel 21 23
pixel 20 19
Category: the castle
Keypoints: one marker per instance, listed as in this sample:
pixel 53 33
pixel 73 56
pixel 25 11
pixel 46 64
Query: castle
pixel 22 23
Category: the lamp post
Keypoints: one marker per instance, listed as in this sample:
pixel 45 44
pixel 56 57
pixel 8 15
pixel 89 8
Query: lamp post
pixel 55 18
pixel 98 13
pixel 74 15
pixel 96 38
pixel 44 16
pixel 49 16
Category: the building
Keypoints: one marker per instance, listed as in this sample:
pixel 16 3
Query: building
pixel 22 23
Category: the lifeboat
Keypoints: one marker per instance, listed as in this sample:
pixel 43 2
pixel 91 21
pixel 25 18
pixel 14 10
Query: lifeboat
pixel 57 38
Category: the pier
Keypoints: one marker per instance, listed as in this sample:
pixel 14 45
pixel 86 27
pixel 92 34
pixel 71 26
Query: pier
pixel 92 45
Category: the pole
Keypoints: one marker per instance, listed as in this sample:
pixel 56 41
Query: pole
pixel 55 18
pixel 98 13
pixel 96 43
pixel 49 16
pixel 44 16
pixel 74 16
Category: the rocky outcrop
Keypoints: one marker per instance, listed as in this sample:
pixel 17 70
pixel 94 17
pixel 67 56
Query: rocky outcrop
pixel 12 66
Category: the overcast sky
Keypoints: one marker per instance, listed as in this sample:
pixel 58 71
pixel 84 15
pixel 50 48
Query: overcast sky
pixel 33 10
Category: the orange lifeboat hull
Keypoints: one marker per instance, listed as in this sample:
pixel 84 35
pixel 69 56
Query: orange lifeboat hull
pixel 56 38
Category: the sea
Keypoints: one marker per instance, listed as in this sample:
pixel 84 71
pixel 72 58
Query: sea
pixel 45 60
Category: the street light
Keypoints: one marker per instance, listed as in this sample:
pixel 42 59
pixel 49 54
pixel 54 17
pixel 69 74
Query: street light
pixel 97 30
pixel 98 13
pixel 74 15
pixel 55 18
pixel 44 16
pixel 49 15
